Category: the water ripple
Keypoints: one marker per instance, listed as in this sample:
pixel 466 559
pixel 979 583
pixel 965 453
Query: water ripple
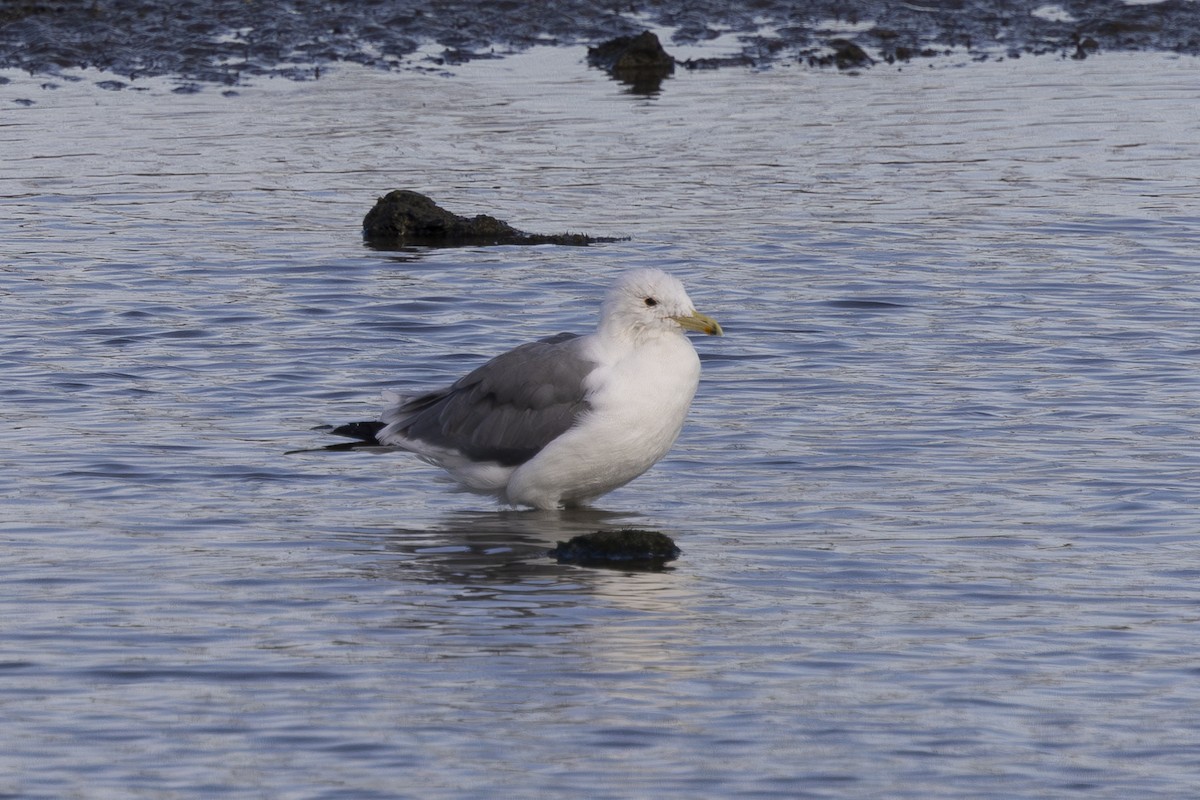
pixel 937 497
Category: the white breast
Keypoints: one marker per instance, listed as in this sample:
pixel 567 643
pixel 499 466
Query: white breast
pixel 640 397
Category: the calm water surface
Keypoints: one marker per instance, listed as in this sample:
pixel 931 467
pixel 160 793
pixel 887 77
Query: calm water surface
pixel 939 496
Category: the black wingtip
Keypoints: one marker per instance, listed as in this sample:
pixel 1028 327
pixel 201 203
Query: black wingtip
pixel 362 431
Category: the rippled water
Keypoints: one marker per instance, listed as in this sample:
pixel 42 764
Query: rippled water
pixel 938 498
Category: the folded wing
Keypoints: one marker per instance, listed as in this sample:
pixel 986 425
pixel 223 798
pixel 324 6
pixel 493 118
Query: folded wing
pixel 505 411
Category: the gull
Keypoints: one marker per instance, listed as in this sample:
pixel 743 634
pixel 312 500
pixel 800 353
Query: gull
pixel 561 421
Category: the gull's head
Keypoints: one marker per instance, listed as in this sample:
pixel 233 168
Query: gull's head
pixel 646 301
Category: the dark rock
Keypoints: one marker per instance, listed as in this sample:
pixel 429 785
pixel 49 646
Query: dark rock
pixel 717 63
pixel 1084 45
pixel 629 548
pixel 845 55
pixel 639 61
pixel 402 218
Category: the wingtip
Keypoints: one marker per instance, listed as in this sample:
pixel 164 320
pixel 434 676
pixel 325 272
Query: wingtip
pixel 362 431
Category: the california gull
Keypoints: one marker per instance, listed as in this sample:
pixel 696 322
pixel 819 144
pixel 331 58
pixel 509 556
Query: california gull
pixel 563 420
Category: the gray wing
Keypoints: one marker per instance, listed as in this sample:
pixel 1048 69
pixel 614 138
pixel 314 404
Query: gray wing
pixel 506 410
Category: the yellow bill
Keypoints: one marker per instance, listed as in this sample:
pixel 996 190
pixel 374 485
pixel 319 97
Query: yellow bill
pixel 702 323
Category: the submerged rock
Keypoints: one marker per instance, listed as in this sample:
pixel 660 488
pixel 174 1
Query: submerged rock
pixel 628 548
pixel 403 218
pixel 639 61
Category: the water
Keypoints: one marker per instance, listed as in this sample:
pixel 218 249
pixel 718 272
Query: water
pixel 938 496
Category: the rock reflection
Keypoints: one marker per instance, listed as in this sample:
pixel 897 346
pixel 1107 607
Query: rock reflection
pixel 503 555
pixel 481 586
pixel 501 545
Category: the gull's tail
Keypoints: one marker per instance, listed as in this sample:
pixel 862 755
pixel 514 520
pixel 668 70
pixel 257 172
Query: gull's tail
pixel 363 434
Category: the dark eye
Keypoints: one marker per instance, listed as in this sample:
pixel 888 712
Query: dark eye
pixel 651 302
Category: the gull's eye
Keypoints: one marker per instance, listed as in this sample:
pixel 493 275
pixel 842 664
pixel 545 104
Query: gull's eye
pixel 651 302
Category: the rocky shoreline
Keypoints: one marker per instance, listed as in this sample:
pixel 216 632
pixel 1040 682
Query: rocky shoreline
pixel 228 41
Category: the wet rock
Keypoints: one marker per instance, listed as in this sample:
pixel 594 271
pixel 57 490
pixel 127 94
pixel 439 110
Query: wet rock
pixel 628 548
pixel 848 55
pixel 841 53
pixel 718 63
pixel 639 61
pixel 403 218
pixel 1083 47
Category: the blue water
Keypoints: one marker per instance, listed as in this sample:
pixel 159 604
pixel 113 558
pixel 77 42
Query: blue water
pixel 938 498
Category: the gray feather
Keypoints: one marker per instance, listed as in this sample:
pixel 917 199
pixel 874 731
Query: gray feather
pixel 506 410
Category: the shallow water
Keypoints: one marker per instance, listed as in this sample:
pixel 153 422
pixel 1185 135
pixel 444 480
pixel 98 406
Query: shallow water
pixel 937 499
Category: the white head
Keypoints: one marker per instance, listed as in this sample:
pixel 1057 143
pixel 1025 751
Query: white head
pixel 648 302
